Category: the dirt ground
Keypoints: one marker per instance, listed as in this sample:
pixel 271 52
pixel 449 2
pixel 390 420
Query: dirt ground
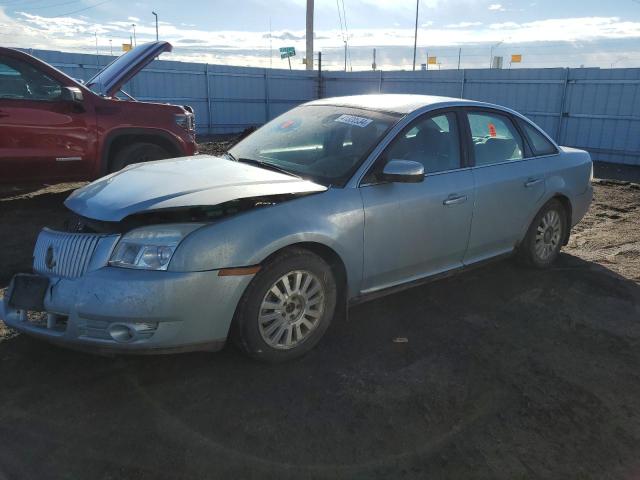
pixel 507 373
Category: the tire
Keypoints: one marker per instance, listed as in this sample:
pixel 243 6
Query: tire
pixel 302 315
pixel 545 236
pixel 137 153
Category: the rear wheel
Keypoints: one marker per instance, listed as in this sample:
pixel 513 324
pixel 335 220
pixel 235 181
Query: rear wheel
pixel 544 239
pixel 287 307
pixel 137 153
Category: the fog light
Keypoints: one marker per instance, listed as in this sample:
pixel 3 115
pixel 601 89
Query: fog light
pixel 121 333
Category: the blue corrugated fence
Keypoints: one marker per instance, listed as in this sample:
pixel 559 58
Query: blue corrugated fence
pixel 588 108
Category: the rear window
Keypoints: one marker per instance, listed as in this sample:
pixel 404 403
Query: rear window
pixel 539 143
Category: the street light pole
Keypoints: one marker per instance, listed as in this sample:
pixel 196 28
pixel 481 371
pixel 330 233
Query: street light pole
pixel 156 15
pixel 111 46
pixel 135 42
pixel 415 36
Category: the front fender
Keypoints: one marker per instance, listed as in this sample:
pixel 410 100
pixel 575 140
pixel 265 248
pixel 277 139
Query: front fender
pixel 333 218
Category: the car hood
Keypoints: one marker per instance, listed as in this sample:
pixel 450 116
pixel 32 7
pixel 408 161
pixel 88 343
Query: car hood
pixel 110 79
pixel 180 182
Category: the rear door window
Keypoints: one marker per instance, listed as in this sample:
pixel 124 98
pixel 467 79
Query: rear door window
pixel 495 138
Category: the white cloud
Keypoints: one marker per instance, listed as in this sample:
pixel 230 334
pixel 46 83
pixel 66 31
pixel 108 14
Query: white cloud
pixel 252 48
pixel 463 25
pixel 133 19
pixel 496 7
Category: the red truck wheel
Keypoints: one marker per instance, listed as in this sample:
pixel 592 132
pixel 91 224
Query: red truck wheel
pixel 137 153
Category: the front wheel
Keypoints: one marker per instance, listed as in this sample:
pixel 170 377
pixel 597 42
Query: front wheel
pixel 544 239
pixel 287 307
pixel 138 153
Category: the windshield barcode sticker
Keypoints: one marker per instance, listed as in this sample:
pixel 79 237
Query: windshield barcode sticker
pixel 354 120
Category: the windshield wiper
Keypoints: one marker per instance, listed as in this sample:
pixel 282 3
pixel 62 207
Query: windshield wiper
pixel 265 165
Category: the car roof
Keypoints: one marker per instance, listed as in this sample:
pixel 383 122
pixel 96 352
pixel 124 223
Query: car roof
pixel 396 103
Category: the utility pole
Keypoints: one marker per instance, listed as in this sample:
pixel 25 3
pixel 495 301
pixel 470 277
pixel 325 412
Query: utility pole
pixel 345 55
pixel 135 42
pixel 309 35
pixel 270 45
pixel 415 37
pixel 97 53
pixel 156 15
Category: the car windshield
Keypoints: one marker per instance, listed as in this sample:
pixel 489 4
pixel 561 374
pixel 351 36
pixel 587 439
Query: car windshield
pixel 323 143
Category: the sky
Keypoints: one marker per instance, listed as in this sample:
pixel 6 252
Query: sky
pixel 547 33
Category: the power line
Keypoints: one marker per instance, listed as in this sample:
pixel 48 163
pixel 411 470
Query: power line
pixel 44 7
pixel 82 9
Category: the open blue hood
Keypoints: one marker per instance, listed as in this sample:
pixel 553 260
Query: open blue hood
pixel 111 78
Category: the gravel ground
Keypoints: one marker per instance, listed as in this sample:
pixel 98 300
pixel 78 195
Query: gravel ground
pixel 507 373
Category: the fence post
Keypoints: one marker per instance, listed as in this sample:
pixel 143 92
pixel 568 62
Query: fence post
pixel 319 74
pixel 267 106
pixel 563 104
pixel 209 119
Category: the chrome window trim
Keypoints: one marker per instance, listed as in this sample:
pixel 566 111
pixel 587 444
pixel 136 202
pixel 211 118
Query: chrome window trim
pixel 524 159
pixel 432 174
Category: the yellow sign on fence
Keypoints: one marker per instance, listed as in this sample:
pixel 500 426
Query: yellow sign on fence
pixel 432 60
pixel 516 58
pixel 126 47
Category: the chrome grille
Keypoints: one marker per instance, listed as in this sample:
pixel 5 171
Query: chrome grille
pixel 63 254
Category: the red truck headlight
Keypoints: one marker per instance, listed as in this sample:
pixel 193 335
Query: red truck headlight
pixel 186 121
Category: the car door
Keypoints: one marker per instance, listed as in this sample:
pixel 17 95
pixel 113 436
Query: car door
pixel 509 187
pixel 42 136
pixel 413 230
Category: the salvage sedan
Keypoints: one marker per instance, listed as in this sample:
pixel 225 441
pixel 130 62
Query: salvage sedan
pixel 332 203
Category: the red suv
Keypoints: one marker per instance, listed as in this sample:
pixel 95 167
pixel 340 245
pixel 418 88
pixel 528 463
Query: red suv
pixel 54 128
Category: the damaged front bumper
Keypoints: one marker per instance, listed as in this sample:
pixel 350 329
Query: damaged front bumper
pixel 109 309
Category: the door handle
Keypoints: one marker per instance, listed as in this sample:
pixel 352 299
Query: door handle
pixel 455 199
pixel 532 181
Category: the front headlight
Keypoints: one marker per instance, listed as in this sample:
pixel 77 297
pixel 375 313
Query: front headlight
pixel 151 247
pixel 186 121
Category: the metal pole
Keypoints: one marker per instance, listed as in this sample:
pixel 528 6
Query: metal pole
pixel 267 106
pixel 415 37
pixel 289 58
pixel 156 15
pixel 563 103
pixel 97 53
pixel 319 74
pixel 208 90
pixel 459 57
pixel 135 42
pixel 345 55
pixel 309 35
pixel 111 46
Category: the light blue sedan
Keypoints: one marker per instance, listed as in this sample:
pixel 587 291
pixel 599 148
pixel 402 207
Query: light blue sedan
pixel 332 203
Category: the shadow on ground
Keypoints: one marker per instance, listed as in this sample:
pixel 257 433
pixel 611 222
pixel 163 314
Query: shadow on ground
pixel 507 373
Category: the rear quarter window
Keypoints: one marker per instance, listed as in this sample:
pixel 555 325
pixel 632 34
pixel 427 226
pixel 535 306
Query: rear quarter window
pixel 539 143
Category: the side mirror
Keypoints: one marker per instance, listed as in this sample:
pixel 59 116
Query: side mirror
pixel 403 171
pixel 71 94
